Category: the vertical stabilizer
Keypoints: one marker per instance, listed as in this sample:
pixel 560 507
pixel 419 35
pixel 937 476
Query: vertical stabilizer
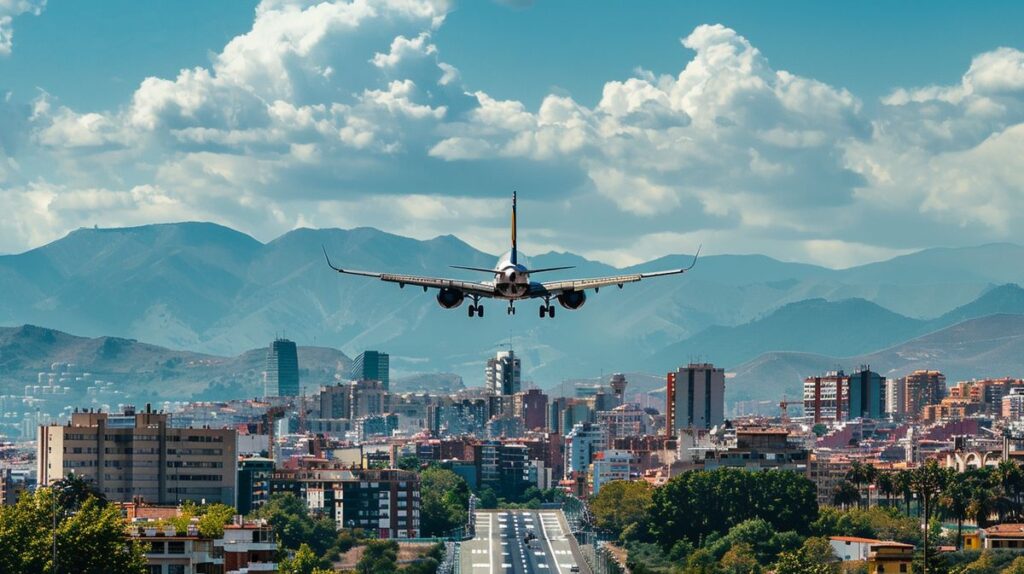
pixel 515 255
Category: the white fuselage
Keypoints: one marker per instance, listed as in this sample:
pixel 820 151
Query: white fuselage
pixel 511 280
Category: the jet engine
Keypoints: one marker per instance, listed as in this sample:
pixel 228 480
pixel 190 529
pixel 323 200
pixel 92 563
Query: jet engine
pixel 450 298
pixel 572 299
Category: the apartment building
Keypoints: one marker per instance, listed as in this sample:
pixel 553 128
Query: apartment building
pixel 137 454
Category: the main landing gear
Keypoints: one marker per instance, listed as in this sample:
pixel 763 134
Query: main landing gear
pixel 547 311
pixel 475 308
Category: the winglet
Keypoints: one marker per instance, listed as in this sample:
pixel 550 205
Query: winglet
pixel 695 256
pixel 327 257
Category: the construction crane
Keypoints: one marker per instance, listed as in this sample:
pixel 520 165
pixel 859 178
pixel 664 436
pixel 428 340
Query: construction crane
pixel 784 408
pixel 271 417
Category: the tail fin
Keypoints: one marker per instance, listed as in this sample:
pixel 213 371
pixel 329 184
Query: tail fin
pixel 514 253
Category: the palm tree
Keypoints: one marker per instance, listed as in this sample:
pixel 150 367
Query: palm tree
pixel 983 500
pixel 886 483
pixel 927 481
pixel 956 500
pixel 73 490
pixel 1011 480
pixel 845 494
pixel 902 482
pixel 860 474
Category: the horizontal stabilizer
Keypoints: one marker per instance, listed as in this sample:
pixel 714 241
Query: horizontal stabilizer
pixel 481 269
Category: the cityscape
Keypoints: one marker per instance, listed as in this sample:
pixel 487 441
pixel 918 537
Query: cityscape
pixel 757 305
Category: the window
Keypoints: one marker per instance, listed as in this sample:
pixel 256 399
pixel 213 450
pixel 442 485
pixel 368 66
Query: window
pixel 903 568
pixel 176 547
pixel 154 569
pixel 175 569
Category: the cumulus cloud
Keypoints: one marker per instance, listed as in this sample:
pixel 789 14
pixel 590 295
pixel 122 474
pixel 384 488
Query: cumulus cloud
pixel 345 113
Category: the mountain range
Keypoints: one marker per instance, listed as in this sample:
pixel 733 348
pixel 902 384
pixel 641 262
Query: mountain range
pixel 216 291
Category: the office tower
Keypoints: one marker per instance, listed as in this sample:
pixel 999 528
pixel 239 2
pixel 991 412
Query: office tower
pixel 920 389
pixel 502 374
pixel 281 377
pixel 696 397
pixel 867 396
pixel 139 455
pixel 372 366
pixel 826 397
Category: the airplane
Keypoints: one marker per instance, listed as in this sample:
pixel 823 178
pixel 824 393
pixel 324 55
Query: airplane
pixel 511 282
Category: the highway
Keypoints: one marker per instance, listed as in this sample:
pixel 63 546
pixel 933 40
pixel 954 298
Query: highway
pixel 499 546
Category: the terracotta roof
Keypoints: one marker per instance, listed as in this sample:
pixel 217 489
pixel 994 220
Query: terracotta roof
pixel 855 539
pixel 892 544
pixel 1012 529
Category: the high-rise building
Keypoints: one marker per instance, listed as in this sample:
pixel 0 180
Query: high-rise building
pixel 336 401
pixel 867 394
pixel 531 406
pixel 140 455
pixel 372 366
pixel 618 385
pixel 696 397
pixel 922 388
pixel 369 397
pixel 827 397
pixel 281 378
pixel 502 374
pixel 895 397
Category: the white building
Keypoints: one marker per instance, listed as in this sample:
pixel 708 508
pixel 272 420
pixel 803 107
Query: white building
pixel 502 376
pixel 611 465
pixel 696 397
pixel 582 444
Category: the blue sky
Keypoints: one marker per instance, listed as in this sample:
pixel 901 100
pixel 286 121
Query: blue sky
pixel 898 124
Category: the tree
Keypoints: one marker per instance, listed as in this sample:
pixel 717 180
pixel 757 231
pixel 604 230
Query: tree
pixel 213 518
pixel 886 484
pixel 927 482
pixel 408 462
pixel 444 502
pixel 860 474
pixel 305 561
pixel 380 557
pixel 1015 567
pixel 901 481
pixel 91 540
pixel 701 561
pixel 956 500
pixel 803 561
pixel 292 523
pixel 740 559
pixel 845 494
pixel 621 503
pixel 73 490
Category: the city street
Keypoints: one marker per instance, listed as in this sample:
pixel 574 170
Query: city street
pixel 500 546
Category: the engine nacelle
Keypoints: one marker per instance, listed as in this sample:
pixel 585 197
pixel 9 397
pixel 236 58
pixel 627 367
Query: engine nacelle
pixel 450 298
pixel 572 299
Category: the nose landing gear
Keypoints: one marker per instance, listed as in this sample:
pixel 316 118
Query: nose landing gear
pixel 511 308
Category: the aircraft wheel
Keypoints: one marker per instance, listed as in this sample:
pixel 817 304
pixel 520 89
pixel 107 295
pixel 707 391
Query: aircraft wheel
pixel 543 311
pixel 551 311
pixel 479 310
pixel 472 310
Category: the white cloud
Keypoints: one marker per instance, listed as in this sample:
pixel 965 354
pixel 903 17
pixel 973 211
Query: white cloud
pixel 344 113
pixel 9 9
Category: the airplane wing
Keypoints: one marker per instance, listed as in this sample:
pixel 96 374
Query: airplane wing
pixel 467 287
pixel 554 288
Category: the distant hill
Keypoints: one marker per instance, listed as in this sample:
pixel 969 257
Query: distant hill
pixel 149 371
pixel 214 290
pixel 990 346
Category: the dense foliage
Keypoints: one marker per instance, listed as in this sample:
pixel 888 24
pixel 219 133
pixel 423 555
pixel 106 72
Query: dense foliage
pixel 90 536
pixel 444 502
pixel 695 505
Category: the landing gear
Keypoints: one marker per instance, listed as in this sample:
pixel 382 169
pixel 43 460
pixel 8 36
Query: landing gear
pixel 547 311
pixel 475 308
pixel 511 308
